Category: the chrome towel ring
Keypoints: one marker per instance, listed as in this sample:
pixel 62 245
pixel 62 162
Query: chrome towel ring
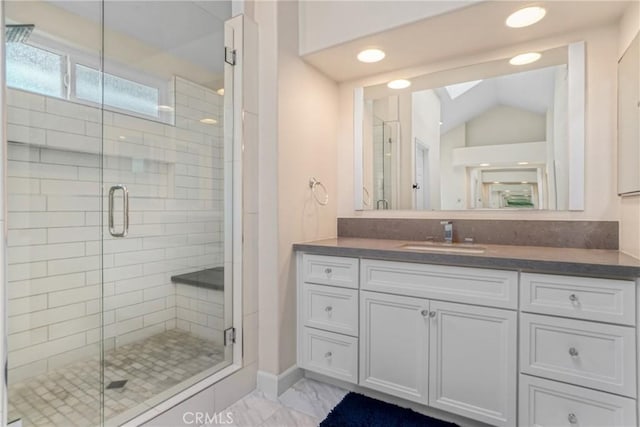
pixel 366 197
pixel 313 185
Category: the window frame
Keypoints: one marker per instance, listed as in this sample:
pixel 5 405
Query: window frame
pixel 72 56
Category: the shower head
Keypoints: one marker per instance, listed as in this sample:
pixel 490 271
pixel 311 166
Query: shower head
pixel 18 33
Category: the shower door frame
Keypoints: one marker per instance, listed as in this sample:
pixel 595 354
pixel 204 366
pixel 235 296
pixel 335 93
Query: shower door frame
pixel 234 137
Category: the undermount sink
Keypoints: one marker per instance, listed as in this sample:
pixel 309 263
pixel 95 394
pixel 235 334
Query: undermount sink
pixel 463 248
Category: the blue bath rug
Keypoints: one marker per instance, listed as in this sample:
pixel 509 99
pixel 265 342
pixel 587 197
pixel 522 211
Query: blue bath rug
pixel 356 410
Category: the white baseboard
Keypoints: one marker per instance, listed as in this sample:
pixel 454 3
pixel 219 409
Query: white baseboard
pixel 274 385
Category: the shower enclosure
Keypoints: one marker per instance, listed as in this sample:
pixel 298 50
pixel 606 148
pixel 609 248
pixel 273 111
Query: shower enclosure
pixel 120 205
pixel 385 153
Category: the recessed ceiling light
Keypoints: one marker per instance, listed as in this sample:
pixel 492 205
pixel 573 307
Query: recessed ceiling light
pixel 208 121
pixel 525 58
pixel 122 137
pixel 441 123
pixel 165 108
pixel 485 164
pixel 371 55
pixel 220 91
pixel 399 84
pixel 523 163
pixel 524 182
pixel 525 17
pixel 496 182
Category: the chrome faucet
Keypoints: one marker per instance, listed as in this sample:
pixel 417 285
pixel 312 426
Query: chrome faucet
pixel 448 231
pixel 383 202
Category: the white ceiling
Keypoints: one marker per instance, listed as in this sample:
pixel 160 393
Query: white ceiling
pixel 190 30
pixel 471 30
pixel 532 91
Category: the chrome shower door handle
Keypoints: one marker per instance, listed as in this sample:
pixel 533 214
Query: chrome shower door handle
pixel 125 211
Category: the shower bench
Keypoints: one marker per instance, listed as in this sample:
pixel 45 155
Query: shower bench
pixel 200 303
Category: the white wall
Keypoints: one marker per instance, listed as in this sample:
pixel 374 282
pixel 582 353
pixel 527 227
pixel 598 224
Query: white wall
pixel 600 180
pixel 349 20
pixel 307 106
pixel 560 140
pixel 454 196
pixel 302 135
pixel 505 125
pixel 629 206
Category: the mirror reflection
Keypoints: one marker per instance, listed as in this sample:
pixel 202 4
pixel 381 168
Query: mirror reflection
pixel 489 136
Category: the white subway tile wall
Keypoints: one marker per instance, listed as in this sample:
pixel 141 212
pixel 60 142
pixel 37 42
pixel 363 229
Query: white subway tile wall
pixel 174 175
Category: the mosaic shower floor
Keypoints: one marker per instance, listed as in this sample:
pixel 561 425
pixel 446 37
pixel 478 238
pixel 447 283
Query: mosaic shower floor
pixel 70 396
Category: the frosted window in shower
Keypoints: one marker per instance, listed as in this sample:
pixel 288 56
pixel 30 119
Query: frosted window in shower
pixel 34 69
pixel 120 93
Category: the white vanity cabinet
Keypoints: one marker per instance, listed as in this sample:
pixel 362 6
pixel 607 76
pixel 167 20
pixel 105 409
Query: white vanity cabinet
pixel 437 335
pixel 461 339
pixel 458 325
pixel 578 354
pixel 455 357
pixel 328 315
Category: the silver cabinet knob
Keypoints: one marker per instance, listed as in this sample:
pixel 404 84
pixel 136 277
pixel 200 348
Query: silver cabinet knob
pixel 327 270
pixel 328 354
pixel 424 313
pixel 572 418
pixel 573 298
pixel 432 314
pixel 328 309
pixel 573 352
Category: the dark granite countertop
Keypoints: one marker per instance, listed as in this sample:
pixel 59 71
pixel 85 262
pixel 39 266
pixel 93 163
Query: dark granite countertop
pixel 211 278
pixel 570 261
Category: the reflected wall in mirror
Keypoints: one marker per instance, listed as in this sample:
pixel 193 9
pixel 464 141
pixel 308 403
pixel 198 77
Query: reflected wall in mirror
pixel 487 136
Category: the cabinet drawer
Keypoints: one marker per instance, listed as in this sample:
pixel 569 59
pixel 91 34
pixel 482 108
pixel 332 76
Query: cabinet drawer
pixel 330 308
pixel 497 288
pixel 545 403
pixel 603 300
pixel 583 353
pixel 330 270
pixel 330 354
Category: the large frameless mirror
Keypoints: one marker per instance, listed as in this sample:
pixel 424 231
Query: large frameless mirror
pixel 487 136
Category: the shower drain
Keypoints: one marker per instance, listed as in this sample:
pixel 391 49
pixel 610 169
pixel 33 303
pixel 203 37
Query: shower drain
pixel 116 384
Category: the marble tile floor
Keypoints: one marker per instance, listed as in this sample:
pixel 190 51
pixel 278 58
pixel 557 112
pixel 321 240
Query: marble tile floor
pixel 70 396
pixel 305 404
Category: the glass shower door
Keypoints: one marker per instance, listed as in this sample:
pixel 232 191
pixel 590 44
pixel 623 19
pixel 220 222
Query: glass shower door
pixel 165 309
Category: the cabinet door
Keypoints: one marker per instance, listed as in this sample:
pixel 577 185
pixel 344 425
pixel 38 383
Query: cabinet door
pixel 394 335
pixel 472 369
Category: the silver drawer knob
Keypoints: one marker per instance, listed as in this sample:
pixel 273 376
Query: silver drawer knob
pixel 424 313
pixel 432 314
pixel 328 309
pixel 573 352
pixel 573 298
pixel 328 354
pixel 572 418
pixel 327 270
